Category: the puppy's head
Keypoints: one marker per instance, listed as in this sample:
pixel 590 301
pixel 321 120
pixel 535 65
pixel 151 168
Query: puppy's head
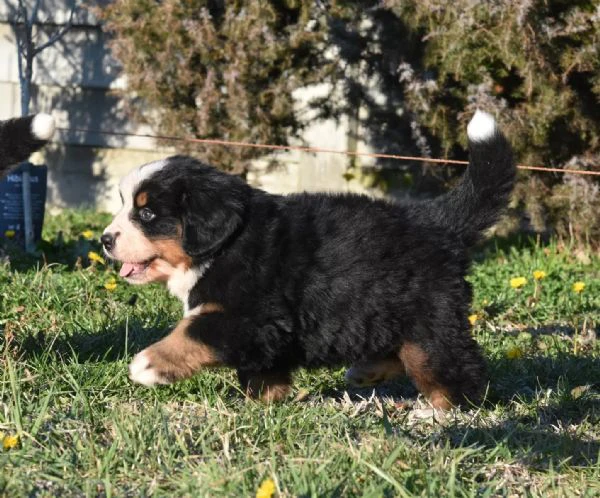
pixel 176 213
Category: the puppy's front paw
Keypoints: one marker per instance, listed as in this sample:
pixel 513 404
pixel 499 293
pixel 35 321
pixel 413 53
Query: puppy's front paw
pixel 143 370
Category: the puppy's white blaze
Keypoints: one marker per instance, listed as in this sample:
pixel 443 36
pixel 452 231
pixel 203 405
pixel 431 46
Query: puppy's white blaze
pixel 141 374
pixel 130 182
pixel 481 127
pixel 42 126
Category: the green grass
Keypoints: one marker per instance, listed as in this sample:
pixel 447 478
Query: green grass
pixel 86 430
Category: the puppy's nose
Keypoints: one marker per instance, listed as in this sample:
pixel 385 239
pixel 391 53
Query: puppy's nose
pixel 108 240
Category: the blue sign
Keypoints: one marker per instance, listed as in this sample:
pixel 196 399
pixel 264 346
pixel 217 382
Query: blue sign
pixel 11 202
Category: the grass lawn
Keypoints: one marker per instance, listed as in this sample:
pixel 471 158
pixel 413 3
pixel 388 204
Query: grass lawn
pixel 84 429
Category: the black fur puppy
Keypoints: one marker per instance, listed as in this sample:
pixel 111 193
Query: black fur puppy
pixel 273 283
pixel 20 137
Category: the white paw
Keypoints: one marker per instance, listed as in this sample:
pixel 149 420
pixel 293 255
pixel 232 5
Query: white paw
pixel 141 372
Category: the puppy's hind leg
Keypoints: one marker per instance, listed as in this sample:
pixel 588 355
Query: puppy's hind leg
pixel 446 375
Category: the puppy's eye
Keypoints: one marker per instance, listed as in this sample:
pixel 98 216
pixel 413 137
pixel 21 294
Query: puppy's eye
pixel 146 215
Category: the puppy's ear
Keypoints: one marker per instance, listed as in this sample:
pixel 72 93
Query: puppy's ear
pixel 213 210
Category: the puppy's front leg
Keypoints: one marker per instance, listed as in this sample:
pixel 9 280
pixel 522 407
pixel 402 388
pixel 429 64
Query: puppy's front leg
pixel 177 356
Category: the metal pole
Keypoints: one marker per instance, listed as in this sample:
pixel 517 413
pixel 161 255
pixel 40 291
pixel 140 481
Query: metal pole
pixel 26 184
pixel 26 50
pixel 27 210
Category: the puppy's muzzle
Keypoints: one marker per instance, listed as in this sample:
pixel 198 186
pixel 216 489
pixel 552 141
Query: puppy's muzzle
pixel 108 240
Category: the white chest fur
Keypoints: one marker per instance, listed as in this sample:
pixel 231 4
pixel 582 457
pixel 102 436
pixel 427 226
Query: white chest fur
pixel 182 281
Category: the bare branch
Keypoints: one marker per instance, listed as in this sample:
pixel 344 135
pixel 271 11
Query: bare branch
pixel 21 15
pixel 20 40
pixel 34 12
pixel 22 11
pixel 58 35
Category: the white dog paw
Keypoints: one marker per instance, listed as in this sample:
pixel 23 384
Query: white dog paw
pixel 142 372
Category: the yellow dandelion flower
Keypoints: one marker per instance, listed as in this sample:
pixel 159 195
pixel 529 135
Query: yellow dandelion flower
pixel 111 284
pixel 473 318
pixel 87 234
pixel 266 489
pixel 96 258
pixel 539 274
pixel 514 353
pixel 10 442
pixel 518 282
pixel 578 287
pixel 9 234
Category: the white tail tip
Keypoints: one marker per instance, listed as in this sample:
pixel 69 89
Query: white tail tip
pixel 481 127
pixel 42 126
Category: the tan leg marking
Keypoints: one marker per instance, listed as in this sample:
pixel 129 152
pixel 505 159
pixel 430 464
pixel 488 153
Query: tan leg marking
pixel 370 374
pixel 268 387
pixel 175 357
pixel 416 363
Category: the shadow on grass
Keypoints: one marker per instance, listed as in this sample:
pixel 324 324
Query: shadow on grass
pixel 540 401
pixel 522 378
pixel 542 441
pixel 552 396
pixel 122 340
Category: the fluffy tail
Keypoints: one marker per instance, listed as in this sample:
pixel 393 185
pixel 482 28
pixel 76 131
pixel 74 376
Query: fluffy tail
pixel 484 190
pixel 20 137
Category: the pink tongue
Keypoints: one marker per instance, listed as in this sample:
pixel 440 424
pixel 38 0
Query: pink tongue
pixel 130 268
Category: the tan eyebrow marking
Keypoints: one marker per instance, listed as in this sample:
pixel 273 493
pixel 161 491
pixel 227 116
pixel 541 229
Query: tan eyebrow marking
pixel 141 199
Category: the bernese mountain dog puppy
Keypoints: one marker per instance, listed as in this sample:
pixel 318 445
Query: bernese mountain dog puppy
pixel 274 283
pixel 21 137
